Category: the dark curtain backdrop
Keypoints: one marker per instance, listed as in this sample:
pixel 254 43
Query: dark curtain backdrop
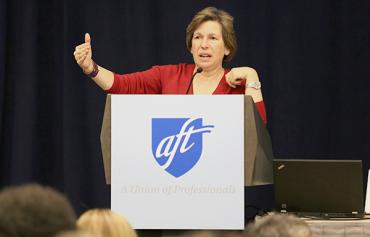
pixel 312 58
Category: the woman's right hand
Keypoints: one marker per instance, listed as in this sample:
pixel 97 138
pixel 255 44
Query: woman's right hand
pixel 83 55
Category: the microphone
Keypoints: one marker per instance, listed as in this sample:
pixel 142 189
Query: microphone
pixel 199 70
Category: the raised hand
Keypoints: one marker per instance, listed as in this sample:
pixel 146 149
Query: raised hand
pixel 83 55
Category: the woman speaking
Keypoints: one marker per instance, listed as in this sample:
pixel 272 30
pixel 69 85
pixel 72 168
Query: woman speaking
pixel 210 38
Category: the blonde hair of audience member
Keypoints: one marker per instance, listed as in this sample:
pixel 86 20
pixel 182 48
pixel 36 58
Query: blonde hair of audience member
pixel 278 225
pixel 105 223
pixel 74 233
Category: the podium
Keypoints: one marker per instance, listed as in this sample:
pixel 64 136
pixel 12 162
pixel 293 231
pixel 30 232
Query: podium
pixel 242 157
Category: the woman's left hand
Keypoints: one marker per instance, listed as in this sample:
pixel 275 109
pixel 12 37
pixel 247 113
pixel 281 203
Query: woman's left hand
pixel 234 77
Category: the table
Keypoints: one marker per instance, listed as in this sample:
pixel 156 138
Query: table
pixel 337 228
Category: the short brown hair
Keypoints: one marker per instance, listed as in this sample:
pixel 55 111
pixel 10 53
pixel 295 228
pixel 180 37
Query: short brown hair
pixel 224 19
pixel 35 211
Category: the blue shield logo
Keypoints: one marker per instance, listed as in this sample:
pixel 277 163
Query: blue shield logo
pixel 177 143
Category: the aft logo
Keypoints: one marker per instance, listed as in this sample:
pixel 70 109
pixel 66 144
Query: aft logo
pixel 177 143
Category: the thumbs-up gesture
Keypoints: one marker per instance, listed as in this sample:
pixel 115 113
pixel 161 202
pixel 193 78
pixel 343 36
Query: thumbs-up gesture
pixel 83 55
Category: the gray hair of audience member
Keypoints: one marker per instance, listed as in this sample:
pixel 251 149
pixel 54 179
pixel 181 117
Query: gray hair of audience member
pixel 33 210
pixel 212 233
pixel 278 225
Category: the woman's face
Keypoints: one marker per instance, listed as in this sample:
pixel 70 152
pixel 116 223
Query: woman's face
pixel 208 47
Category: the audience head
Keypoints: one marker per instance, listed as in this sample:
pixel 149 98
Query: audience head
pixel 105 223
pixel 213 233
pixel 74 233
pixel 278 225
pixel 33 210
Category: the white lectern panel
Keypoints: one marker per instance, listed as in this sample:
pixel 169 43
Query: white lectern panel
pixel 177 161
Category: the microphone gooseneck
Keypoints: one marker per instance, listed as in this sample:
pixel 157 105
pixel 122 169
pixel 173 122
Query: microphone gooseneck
pixel 199 70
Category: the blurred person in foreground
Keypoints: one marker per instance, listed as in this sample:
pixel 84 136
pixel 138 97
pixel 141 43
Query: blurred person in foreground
pixel 105 223
pixel 278 225
pixel 33 210
pixel 213 233
pixel 74 233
